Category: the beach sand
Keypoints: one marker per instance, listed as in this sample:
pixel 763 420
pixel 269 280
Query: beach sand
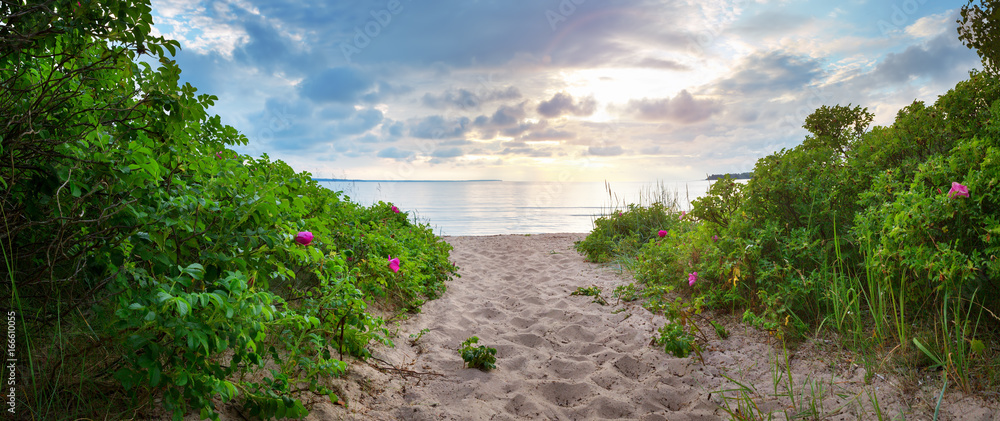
pixel 564 357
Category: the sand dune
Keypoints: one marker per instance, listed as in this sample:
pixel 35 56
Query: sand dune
pixel 563 357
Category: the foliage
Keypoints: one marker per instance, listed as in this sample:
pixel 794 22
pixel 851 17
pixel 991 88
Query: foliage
pixel 591 291
pixel 853 229
pixel 626 293
pixel 623 232
pixel 978 29
pixel 148 260
pixel 481 357
pixel 675 340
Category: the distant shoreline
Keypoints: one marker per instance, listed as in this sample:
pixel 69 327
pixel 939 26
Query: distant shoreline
pixel 736 176
pixel 351 180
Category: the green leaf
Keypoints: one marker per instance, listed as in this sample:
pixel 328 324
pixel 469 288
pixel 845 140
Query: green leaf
pixel 977 346
pixel 937 360
pixel 182 306
pixel 154 375
pixel 195 270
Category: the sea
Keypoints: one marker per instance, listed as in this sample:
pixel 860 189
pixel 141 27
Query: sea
pixel 492 207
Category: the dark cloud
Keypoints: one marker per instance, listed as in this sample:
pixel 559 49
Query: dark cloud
pixel 683 108
pixel 282 124
pixel 339 84
pixel 605 150
pixel 563 103
pixel 466 99
pixel 518 129
pixel 455 32
pixel 506 115
pixel 935 59
pixel 772 72
pixel 436 127
pixel 201 71
pixel 360 122
pixel 447 153
pixel 269 49
pixel 385 90
pixel 394 153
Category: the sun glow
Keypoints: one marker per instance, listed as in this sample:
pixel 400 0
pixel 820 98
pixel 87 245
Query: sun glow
pixel 616 86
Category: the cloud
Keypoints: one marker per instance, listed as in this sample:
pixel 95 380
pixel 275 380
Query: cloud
pixel 683 108
pixel 549 134
pixel 506 115
pixel 773 72
pixel 933 25
pixel 436 127
pixel 394 153
pixel 384 91
pixel 393 130
pixel 605 150
pixel 936 59
pixel 656 63
pixel 447 153
pixel 339 84
pixel 563 104
pixel 360 122
pixel 466 99
pixel 527 151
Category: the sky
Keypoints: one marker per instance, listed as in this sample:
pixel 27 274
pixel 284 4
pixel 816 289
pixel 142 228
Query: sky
pixel 553 90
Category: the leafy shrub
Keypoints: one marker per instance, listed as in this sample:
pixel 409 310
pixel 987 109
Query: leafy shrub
pixel 675 340
pixel 481 357
pixel 149 260
pixel 624 232
pixel 935 241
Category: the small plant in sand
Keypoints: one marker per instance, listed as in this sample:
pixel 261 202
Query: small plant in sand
pixel 416 336
pixel 481 357
pixel 591 291
pixel 680 335
pixel 675 340
pixel 626 293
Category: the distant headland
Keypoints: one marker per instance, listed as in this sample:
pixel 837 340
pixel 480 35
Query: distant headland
pixel 737 176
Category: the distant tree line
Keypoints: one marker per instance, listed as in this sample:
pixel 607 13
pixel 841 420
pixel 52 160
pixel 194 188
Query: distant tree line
pixel 738 176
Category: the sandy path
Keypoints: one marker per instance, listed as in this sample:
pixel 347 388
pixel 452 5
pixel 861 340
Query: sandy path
pixel 564 357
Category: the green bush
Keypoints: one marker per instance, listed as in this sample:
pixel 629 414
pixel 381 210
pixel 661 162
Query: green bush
pixel 623 232
pixel 147 260
pixel 852 229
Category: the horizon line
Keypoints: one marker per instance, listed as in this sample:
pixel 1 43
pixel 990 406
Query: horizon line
pixel 401 181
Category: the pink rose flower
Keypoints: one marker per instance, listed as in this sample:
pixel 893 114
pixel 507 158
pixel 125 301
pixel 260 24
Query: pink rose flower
pixel 393 264
pixel 692 277
pixel 662 233
pixel 304 238
pixel 395 209
pixel 958 190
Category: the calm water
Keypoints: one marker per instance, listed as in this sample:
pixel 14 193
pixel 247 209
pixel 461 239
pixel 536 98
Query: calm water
pixel 511 207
